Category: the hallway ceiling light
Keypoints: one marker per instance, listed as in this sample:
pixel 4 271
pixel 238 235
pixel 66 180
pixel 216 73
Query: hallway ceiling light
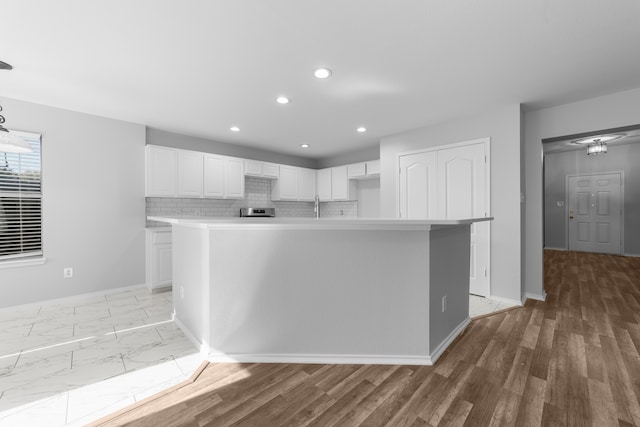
pixel 598 147
pixel 362 129
pixel 282 100
pixel 598 139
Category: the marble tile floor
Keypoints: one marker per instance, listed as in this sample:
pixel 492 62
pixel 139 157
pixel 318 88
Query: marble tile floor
pixel 479 306
pixel 72 362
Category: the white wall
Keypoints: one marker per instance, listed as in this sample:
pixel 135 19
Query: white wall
pixel 610 111
pixel 503 126
pixel 93 204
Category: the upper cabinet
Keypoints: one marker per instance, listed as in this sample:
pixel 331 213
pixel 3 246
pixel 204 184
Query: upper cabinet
pixel 190 172
pixel 285 187
pixel 234 178
pixel 341 187
pixel 172 172
pixel 161 171
pixel 323 184
pixel 261 169
pixel 364 170
pixel 306 184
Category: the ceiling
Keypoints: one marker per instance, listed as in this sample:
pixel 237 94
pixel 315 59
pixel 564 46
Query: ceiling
pixel 200 67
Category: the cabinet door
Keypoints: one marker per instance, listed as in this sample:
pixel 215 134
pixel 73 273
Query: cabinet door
pixel 162 265
pixel 162 171
pixel 234 178
pixel 306 184
pixel 357 170
pixel 323 177
pixel 253 167
pixel 213 176
pixel 373 168
pixel 339 183
pixel 270 170
pixel 288 183
pixel 190 173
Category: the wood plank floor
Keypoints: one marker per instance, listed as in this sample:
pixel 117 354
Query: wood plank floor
pixel 572 360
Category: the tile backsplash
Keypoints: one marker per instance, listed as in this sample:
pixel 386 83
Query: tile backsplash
pixel 257 195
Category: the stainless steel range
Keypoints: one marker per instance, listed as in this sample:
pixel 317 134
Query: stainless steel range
pixel 258 212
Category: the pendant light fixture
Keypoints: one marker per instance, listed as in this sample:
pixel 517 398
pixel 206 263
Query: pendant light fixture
pixel 9 142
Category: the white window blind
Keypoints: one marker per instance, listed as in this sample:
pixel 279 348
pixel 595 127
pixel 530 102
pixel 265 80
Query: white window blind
pixel 21 201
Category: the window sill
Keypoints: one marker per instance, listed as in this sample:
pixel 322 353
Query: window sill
pixel 22 262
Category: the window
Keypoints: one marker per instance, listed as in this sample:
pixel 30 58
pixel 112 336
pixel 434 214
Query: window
pixel 21 202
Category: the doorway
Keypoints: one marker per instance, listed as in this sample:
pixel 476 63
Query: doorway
pixel 595 212
pixel 449 182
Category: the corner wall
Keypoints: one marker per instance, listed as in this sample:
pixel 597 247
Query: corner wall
pixel 503 126
pixel 605 112
pixel 93 204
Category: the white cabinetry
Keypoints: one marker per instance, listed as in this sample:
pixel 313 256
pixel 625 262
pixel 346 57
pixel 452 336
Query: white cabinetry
pixel 234 178
pixel 341 187
pixel 213 176
pixel 161 171
pixel 323 184
pixel 158 258
pixel 364 170
pixel 261 169
pixel 285 187
pixel 306 184
pixel 190 172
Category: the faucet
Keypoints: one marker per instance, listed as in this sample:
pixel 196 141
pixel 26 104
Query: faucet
pixel 316 206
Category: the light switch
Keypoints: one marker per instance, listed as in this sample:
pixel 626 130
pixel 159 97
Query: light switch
pixel 560 203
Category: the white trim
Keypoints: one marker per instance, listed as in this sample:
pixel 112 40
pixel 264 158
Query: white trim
pixel 24 262
pixel 632 255
pixel 337 359
pixel 73 298
pixel 329 359
pixel 556 249
pixel 437 352
pixel 204 351
pixel 538 297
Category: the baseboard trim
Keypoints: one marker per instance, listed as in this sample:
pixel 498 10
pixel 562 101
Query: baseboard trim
pixel 632 255
pixel 437 352
pixel 204 350
pixel 539 297
pixel 325 359
pixel 72 298
pixel 555 249
pixel 335 359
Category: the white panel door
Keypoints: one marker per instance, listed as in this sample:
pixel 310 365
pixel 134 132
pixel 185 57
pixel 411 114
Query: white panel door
pixel 462 194
pixel 162 171
pixel 595 213
pixel 419 186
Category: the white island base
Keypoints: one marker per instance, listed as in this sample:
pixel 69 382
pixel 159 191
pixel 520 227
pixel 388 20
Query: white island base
pixel 321 291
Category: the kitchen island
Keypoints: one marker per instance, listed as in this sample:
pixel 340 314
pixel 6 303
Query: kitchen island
pixel 290 290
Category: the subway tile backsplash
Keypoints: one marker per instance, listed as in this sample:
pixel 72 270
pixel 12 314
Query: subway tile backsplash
pixel 257 195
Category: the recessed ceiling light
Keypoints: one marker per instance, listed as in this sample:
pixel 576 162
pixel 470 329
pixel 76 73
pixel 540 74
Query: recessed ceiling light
pixel 235 129
pixel 598 139
pixel 362 129
pixel 305 145
pixel 282 100
pixel 322 73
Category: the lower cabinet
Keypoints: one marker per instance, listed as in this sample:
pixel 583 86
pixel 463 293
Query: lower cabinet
pixel 159 273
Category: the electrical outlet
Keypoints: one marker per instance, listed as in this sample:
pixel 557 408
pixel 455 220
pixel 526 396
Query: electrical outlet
pixel 341 212
pixel 67 272
pixel 444 303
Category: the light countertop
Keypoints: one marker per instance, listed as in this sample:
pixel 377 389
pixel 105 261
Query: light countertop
pixel 313 223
